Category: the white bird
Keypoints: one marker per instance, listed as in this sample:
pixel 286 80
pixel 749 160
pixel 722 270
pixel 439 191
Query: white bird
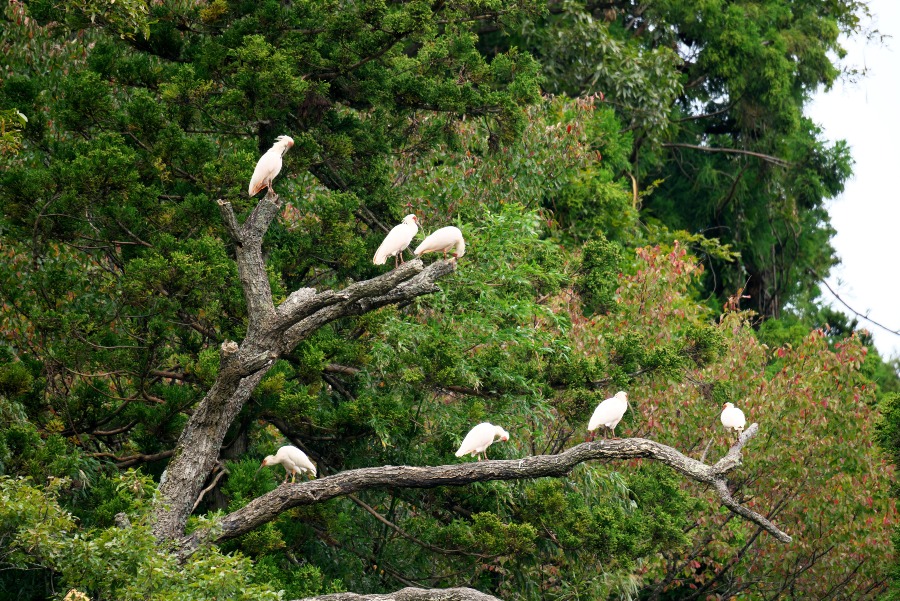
pixel 609 413
pixel 397 240
pixel 293 460
pixel 269 165
pixel 480 438
pixel 443 240
pixel 733 418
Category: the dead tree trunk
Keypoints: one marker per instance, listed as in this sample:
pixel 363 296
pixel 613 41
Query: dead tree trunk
pixel 271 332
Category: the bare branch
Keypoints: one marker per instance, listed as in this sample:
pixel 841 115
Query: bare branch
pixel 412 594
pixel 849 308
pixel 114 431
pixel 230 220
pixel 372 294
pixel 248 251
pixel 301 304
pixel 123 462
pixel 267 507
pixel 212 485
pixel 336 368
pixel 368 508
pixel 765 157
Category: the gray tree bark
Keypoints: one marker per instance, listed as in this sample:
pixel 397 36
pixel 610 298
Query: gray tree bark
pixel 271 332
pixel 267 507
pixel 412 594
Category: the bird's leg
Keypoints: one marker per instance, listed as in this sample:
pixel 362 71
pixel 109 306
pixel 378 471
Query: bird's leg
pixel 396 262
pixel 286 474
pixel 590 436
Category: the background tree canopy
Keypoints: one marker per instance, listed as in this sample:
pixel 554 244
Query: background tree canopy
pixel 643 205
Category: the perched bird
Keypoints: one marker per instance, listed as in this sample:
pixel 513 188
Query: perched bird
pixel 480 438
pixel 733 418
pixel 293 460
pixel 269 165
pixel 397 240
pixel 443 240
pixel 609 413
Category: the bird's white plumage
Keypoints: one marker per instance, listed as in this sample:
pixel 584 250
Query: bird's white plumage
pixel 397 240
pixel 443 240
pixel 293 460
pixel 269 165
pixel 609 412
pixel 733 418
pixel 480 438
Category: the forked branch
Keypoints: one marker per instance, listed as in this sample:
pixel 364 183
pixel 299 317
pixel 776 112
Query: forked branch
pixel 271 333
pixel 267 507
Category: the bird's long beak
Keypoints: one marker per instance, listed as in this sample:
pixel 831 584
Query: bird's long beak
pixel 257 470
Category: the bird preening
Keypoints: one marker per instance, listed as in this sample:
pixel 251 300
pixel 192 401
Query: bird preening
pixel 397 241
pixel 480 438
pixel 269 166
pixel 293 460
pixel 443 240
pixel 609 413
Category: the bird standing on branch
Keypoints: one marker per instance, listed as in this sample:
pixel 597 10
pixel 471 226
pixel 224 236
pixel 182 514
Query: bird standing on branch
pixel 609 413
pixel 480 438
pixel 269 165
pixel 397 241
pixel 443 240
pixel 733 418
pixel 293 460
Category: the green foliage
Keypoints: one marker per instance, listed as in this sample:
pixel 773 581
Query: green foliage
pixel 601 250
pixel 12 121
pixel 889 426
pixel 110 562
pixel 598 275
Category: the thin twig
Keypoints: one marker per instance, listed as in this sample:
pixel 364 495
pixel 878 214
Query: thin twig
pixel 212 485
pixel 766 157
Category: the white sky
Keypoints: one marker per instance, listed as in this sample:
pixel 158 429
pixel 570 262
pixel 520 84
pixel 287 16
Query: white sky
pixel 867 215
